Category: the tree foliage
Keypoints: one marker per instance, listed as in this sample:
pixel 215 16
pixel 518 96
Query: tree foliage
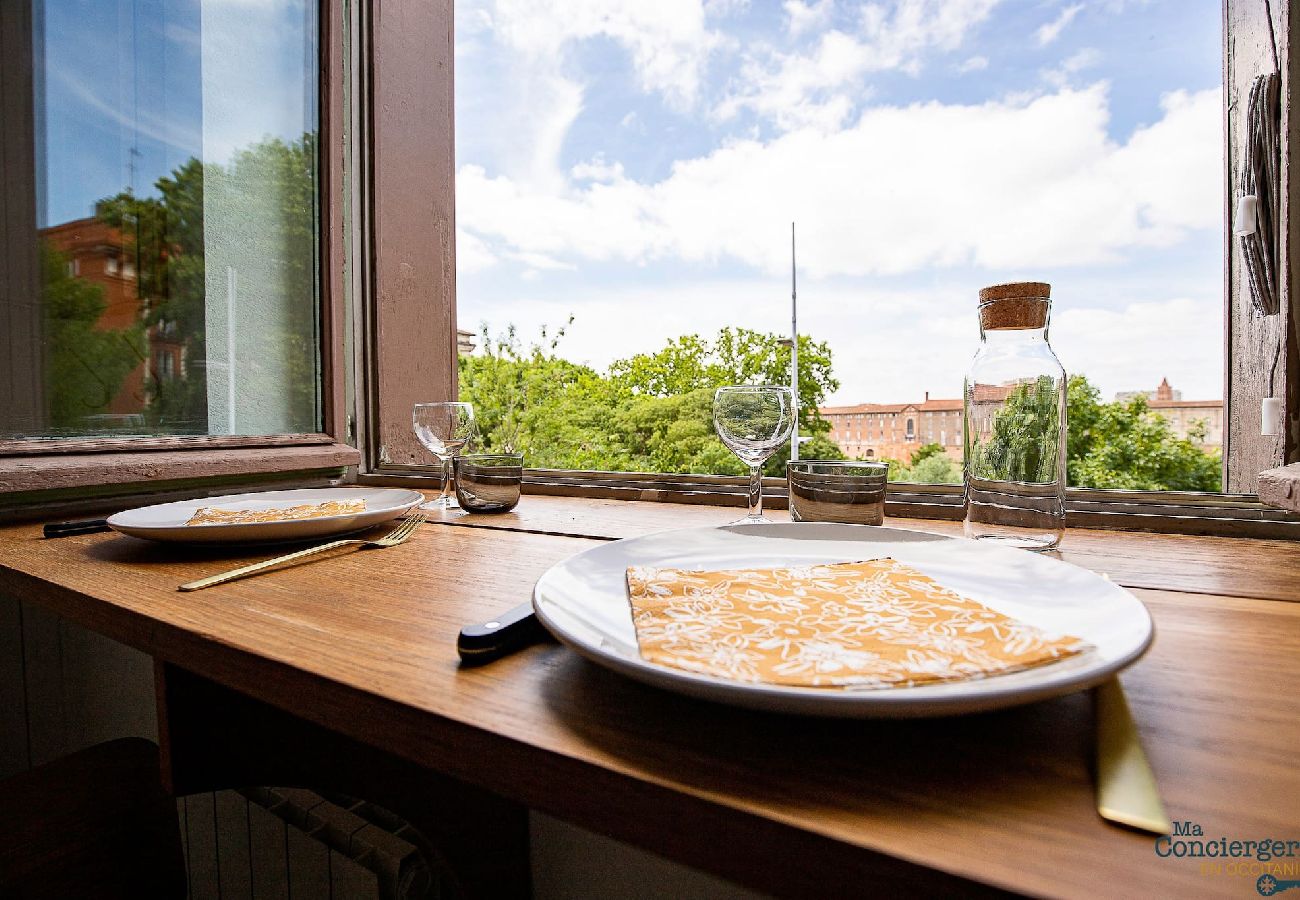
pixel 653 412
pixel 267 192
pixel 928 464
pixel 1122 445
pixel 650 413
pixel 1125 446
pixel 1025 441
pixel 164 235
pixel 85 366
pixel 735 356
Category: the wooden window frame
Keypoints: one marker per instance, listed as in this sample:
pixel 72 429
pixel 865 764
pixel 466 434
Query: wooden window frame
pixel 45 472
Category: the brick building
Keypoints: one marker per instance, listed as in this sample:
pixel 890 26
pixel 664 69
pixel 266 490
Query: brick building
pixel 895 430
pixel 98 253
pixel 1182 415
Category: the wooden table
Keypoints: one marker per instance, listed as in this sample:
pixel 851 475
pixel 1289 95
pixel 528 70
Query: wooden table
pixel 345 671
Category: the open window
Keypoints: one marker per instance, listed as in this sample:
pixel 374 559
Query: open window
pixel 169 213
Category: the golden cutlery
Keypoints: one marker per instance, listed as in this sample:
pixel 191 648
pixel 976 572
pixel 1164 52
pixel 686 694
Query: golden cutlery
pixel 398 535
pixel 1126 787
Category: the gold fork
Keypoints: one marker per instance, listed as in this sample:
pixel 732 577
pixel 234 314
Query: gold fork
pixel 398 535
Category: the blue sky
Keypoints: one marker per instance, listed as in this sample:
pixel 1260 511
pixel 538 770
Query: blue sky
pixel 124 85
pixel 637 166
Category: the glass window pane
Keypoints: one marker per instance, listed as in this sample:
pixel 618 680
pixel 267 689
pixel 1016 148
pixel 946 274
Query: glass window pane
pixel 159 226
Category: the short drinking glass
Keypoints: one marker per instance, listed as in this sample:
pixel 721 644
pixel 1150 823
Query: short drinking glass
pixel 754 420
pixel 444 429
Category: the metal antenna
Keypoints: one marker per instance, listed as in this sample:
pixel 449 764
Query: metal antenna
pixel 794 350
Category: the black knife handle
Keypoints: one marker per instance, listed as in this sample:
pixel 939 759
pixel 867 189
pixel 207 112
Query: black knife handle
pixel 68 529
pixel 503 635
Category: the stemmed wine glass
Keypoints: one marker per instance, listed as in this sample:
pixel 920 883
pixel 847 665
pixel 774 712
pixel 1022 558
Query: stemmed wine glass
pixel 444 429
pixel 753 420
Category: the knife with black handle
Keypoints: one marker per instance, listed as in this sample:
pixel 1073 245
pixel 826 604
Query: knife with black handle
pixel 511 631
pixel 68 529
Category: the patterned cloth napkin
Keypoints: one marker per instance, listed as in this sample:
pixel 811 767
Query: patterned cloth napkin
pixel 878 623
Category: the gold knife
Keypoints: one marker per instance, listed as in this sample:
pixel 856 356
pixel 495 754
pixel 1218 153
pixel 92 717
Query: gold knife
pixel 1126 787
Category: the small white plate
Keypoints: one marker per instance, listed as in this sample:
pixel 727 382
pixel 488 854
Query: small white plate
pixel 583 602
pixel 166 521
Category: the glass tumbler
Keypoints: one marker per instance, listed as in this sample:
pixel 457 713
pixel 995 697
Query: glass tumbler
pixel 1014 423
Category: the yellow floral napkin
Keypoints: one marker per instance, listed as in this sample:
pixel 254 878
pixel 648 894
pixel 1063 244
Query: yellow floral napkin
pixel 878 623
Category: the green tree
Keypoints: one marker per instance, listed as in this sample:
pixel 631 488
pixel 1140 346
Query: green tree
pixel 650 413
pixel 1024 445
pixel 269 192
pixel 735 356
pixel 924 452
pixel 1125 446
pixel 934 469
pixel 85 365
pixel 164 237
pixel 929 464
pixel 1121 445
pixel 530 401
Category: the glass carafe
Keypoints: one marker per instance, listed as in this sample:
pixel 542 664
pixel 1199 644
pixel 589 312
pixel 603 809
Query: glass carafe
pixel 1014 425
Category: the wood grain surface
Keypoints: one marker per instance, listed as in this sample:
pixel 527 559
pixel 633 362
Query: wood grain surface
pixel 1267 569
pixel 364 644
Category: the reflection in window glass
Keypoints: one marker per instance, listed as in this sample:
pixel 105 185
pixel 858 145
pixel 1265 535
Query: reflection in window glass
pixel 658 152
pixel 161 218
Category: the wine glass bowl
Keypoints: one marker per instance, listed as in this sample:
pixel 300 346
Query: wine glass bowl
pixel 444 429
pixel 753 421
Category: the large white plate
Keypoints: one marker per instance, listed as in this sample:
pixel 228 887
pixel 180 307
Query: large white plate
pixel 583 602
pixel 166 521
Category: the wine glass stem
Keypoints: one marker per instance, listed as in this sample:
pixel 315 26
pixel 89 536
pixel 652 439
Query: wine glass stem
pixel 755 492
pixel 446 479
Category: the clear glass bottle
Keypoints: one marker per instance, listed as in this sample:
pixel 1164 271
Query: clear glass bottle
pixel 1014 424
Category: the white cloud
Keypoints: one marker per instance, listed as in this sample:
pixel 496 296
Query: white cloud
pixel 1023 184
pixel 721 9
pixel 528 45
pixel 973 64
pixel 1116 349
pixel 667 40
pixel 1050 31
pixel 597 170
pixel 888 345
pixel 819 87
pixel 472 253
pixel 803 16
pixel 1085 58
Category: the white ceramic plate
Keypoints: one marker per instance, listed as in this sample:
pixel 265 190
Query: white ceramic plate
pixel 583 602
pixel 166 521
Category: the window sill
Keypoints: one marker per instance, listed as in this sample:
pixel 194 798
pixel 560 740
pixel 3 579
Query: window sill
pixel 1176 512
pixel 66 479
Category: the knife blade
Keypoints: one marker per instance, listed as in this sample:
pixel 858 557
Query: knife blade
pixel 1126 787
pixel 499 637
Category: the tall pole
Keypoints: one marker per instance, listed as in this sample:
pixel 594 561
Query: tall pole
pixel 794 350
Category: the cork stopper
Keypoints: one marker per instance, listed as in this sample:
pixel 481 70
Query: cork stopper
pixel 1017 305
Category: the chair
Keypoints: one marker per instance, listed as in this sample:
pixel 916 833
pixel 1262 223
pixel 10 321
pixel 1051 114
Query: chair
pixel 96 823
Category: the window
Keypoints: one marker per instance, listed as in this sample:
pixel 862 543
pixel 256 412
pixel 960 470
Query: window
pixel 547 225
pixel 182 92
pixel 176 144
